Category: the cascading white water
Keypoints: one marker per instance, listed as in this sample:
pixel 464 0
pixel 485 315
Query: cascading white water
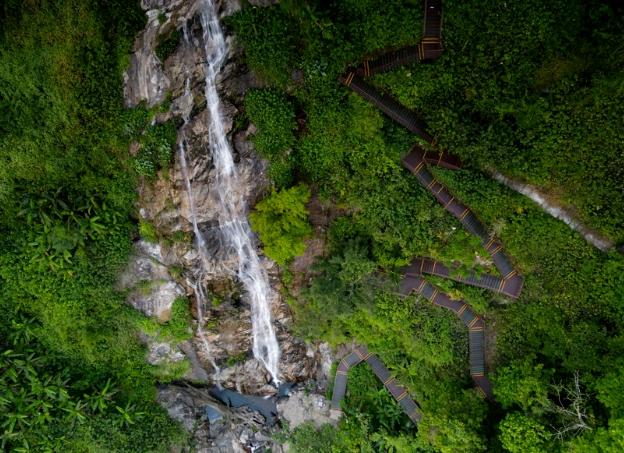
pixel 200 297
pixel 234 225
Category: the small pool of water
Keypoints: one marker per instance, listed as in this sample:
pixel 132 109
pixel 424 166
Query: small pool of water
pixel 266 406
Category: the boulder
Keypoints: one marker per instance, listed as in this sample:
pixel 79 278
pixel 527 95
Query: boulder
pixel 302 408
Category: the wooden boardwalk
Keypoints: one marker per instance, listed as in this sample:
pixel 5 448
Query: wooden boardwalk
pixel 476 337
pixel 361 354
pixel 398 112
pixel 509 283
pixel 431 43
pixel 430 46
pixel 510 287
pixel 417 164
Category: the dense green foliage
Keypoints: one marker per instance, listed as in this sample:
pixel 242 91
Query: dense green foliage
pixel 268 36
pixel 46 406
pixel 281 220
pixel 531 89
pixel 155 153
pixel 274 117
pixel 167 44
pixel 522 434
pixel 66 194
pixel 62 120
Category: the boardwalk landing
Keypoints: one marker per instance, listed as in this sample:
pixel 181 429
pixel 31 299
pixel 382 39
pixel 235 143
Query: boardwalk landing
pixel 509 287
pixel 430 46
pixel 380 370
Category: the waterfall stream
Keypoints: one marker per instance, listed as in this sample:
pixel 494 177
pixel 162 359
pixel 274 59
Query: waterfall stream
pixel 200 297
pixel 233 224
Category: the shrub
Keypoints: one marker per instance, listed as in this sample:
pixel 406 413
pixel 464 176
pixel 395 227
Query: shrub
pixel 167 44
pixel 274 116
pixel 523 383
pixel 156 149
pixel 522 434
pixel 268 39
pixel 281 220
pixel 148 231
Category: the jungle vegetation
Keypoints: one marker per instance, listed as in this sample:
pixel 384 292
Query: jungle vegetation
pixel 73 376
pixel 531 89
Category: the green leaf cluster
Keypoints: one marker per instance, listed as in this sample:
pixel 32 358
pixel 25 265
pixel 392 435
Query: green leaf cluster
pixel 522 434
pixel 156 149
pixel 524 383
pixel 268 37
pixel 166 43
pixel 45 408
pixel 281 219
pixel 274 117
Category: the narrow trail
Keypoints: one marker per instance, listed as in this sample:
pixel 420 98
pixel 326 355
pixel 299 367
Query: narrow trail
pixel 509 283
pixel 596 239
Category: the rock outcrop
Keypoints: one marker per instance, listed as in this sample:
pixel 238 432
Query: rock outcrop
pixel 160 273
pixel 240 430
pixel 153 288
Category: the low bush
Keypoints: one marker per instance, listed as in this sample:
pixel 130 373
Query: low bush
pixel 156 150
pixel 281 219
pixel 167 44
pixel 274 117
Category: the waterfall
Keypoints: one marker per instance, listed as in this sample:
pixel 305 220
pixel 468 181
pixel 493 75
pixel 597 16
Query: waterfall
pixel 234 226
pixel 200 296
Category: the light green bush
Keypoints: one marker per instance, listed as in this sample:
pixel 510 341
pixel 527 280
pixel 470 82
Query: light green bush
pixel 281 219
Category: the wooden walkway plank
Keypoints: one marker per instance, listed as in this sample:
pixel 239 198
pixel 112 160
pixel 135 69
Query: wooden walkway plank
pixel 429 47
pixel 485 387
pixel 398 392
pixel 511 286
pixel 340 390
pixel 415 162
pixel 432 24
pixel 387 105
pixel 474 322
pixel 352 359
pixel 389 61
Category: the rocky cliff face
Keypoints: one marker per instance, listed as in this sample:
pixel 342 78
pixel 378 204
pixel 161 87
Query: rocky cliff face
pixel 160 273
